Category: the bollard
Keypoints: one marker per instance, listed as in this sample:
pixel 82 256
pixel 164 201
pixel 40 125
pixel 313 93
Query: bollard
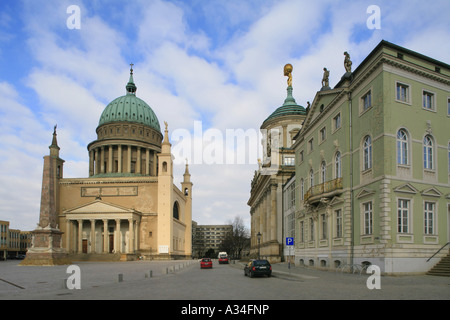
pixel 120 277
pixel 151 274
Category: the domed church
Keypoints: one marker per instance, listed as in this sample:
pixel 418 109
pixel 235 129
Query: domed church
pixel 128 207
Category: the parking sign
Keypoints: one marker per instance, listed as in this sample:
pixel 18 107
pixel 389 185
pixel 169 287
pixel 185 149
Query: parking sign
pixel 289 241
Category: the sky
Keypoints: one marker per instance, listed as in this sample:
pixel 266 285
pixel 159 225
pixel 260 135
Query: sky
pixel 207 67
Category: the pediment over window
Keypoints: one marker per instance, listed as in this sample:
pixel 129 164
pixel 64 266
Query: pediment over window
pixel 365 192
pixel 336 201
pixel 406 188
pixel 432 192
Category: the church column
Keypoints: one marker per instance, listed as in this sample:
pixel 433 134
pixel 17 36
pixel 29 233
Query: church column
pixel 147 161
pixel 91 163
pixel 102 160
pixel 138 160
pixel 96 161
pixel 155 163
pixel 119 158
pixel 92 235
pixel 136 235
pixel 129 159
pixel 105 236
pixel 130 235
pixel 68 232
pixel 80 236
pixel 110 159
pixel 273 212
pixel 117 243
pixel 264 218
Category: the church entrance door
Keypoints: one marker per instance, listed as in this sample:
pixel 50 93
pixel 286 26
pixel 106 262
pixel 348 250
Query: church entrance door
pixel 111 243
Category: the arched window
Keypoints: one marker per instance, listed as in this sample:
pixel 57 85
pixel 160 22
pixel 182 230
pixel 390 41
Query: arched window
pixel 176 210
pixel 428 152
pixel 367 153
pixel 311 178
pixel 164 168
pixel 402 147
pixel 337 164
pixel 323 171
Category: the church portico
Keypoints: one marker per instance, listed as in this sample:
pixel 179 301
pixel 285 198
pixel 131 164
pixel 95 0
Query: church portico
pixel 100 227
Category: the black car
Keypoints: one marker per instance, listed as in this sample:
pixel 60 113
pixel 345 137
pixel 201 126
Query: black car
pixel 258 267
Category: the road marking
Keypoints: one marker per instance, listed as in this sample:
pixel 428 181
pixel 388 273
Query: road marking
pixel 13 284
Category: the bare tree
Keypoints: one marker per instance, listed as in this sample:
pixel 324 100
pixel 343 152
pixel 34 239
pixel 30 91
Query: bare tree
pixel 236 241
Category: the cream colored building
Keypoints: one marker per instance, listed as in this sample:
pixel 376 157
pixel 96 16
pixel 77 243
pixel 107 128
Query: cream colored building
pixel 128 207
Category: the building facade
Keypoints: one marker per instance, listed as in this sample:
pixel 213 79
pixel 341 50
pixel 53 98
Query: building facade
pixel 276 167
pixel 206 237
pixel 13 242
pixel 128 206
pixel 373 166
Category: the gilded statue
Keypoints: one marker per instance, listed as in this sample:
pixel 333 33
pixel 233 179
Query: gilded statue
pixel 288 73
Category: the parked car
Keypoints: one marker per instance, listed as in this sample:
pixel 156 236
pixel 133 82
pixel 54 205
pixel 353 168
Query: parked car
pixel 206 263
pixel 257 268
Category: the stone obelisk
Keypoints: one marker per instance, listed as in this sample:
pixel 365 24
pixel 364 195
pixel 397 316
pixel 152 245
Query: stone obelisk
pixel 46 241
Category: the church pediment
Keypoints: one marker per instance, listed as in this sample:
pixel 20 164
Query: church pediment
pixel 99 206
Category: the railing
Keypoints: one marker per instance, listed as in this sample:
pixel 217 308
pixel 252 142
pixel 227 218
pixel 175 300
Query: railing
pixel 438 251
pixel 323 188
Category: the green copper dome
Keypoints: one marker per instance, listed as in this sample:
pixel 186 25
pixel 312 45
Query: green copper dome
pixel 130 108
pixel 289 107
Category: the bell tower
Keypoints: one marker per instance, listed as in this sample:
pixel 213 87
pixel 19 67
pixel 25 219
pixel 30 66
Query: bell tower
pixel 165 201
pixel 186 187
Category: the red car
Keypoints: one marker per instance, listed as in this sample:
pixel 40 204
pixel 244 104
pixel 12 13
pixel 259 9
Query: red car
pixel 206 263
pixel 223 260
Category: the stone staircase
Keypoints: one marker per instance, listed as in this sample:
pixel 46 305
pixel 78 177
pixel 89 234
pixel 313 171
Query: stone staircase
pixel 442 268
pixel 95 257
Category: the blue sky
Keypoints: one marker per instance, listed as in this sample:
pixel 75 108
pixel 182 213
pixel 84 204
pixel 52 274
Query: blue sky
pixel 218 62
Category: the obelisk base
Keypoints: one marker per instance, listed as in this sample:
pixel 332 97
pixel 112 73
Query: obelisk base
pixel 46 249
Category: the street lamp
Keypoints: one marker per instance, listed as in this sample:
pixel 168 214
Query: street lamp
pixel 259 244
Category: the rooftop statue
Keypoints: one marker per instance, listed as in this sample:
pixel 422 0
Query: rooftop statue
pixel 288 73
pixel 325 79
pixel 347 62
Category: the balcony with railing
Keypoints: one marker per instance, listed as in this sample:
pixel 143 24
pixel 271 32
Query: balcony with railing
pixel 327 189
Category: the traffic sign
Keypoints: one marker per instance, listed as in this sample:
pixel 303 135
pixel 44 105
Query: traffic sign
pixel 289 241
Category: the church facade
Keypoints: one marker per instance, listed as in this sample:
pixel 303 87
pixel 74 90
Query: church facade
pixel 128 206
